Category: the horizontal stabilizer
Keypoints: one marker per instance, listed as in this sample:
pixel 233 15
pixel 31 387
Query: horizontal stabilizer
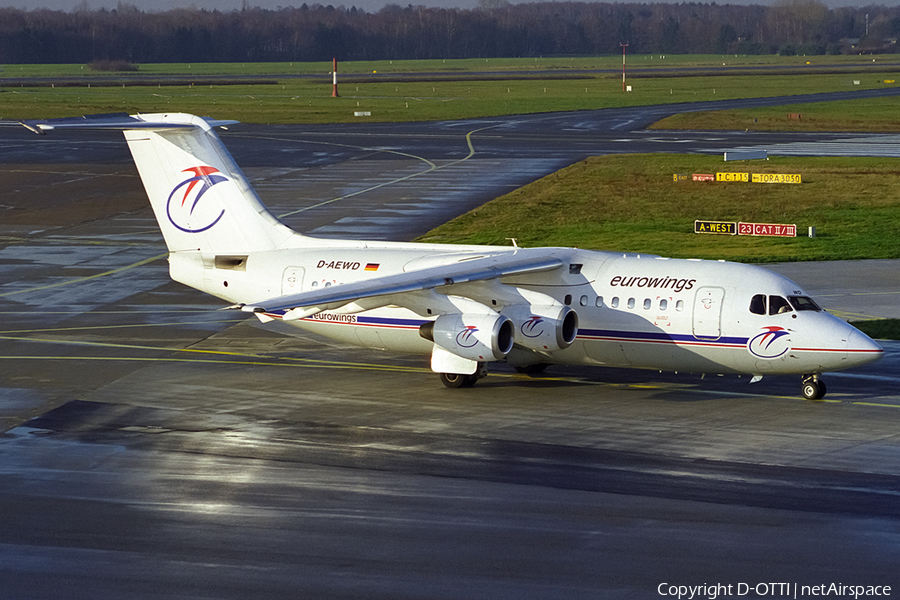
pixel 124 122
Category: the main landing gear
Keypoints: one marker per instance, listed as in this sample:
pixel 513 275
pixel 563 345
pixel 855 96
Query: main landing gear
pixel 813 387
pixel 457 380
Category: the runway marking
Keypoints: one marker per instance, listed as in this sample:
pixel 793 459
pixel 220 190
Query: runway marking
pixel 852 316
pixel 320 365
pixel 4 333
pixel 276 360
pixel 107 312
pixel 432 167
pixel 310 363
pixel 83 240
pixel 88 278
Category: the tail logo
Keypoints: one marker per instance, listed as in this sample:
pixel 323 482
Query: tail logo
pixel 771 343
pixel 183 207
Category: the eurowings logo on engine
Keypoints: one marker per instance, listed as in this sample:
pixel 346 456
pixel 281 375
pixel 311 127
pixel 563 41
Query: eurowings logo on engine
pixel 466 338
pixel 532 327
pixel 771 343
pixel 183 208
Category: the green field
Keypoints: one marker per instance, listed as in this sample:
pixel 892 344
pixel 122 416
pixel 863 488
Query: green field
pixel 452 89
pixel 635 61
pixel 630 203
pixel 876 115
pixel 880 329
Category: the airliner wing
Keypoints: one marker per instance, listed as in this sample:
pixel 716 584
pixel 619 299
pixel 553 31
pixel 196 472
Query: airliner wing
pixel 478 269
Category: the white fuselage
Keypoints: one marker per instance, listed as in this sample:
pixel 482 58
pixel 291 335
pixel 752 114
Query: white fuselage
pixel 639 311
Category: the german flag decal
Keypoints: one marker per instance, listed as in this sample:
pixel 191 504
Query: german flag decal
pixel 372 266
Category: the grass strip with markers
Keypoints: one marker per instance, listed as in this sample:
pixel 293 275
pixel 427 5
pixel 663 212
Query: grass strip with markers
pixel 630 203
pixel 392 91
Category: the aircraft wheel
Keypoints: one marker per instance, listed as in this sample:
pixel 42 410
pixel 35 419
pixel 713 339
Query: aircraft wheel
pixel 814 389
pixel 457 380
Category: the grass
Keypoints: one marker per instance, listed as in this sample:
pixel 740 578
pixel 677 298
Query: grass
pixel 450 94
pixel 635 63
pixel 876 115
pixel 879 329
pixel 630 203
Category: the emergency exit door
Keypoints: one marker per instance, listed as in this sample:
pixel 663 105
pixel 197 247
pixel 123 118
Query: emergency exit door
pixel 708 312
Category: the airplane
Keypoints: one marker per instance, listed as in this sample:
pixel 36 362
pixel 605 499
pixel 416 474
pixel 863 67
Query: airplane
pixel 464 305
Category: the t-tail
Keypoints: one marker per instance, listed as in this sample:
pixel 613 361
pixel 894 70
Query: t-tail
pixel 200 197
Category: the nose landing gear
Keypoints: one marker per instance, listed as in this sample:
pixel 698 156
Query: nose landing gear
pixel 813 387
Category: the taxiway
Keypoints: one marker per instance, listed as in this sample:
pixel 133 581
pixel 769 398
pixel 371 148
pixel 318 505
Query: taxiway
pixel 155 446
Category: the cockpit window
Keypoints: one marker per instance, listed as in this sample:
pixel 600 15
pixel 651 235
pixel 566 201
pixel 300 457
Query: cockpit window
pixel 758 304
pixel 778 305
pixel 803 303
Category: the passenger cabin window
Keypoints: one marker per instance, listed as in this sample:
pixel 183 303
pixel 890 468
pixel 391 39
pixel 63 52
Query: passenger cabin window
pixel 803 303
pixel 615 302
pixel 599 301
pixel 568 300
pixel 663 304
pixel 583 301
pixel 778 305
pixel 631 303
pixel 647 303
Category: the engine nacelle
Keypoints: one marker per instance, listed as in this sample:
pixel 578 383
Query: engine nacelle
pixel 475 337
pixel 543 328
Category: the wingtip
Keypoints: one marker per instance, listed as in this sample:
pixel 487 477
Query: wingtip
pixel 35 127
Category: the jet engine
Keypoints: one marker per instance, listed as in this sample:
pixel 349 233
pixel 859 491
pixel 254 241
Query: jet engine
pixel 543 328
pixel 475 337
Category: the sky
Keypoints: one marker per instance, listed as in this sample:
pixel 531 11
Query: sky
pixel 368 5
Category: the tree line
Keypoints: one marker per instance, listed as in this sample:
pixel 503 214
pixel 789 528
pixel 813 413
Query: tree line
pixel 496 29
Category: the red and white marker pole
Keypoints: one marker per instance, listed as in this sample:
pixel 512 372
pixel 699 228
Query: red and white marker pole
pixel 334 92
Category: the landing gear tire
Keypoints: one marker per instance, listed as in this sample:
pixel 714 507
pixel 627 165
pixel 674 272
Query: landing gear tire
pixel 457 380
pixel 813 388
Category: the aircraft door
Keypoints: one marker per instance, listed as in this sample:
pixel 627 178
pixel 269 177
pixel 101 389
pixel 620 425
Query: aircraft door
pixel 292 281
pixel 708 312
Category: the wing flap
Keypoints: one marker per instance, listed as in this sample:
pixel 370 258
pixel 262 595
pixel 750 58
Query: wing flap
pixel 490 267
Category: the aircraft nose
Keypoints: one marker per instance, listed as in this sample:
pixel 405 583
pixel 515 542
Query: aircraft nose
pixel 861 349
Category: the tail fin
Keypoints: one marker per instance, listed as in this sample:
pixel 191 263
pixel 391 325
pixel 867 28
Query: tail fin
pixel 201 199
